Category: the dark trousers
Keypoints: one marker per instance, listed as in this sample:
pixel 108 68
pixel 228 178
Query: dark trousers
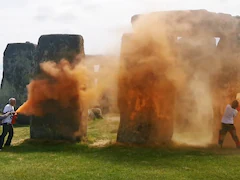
pixel 7 129
pixel 232 130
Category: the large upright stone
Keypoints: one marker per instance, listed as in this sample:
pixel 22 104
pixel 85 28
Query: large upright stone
pixel 17 66
pixel 145 96
pixel 58 122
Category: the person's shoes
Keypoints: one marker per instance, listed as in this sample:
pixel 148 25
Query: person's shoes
pixel 0 149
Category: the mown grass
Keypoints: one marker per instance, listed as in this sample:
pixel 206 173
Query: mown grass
pixel 39 160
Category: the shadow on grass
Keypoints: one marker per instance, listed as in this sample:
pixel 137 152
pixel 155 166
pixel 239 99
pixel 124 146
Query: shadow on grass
pixel 114 153
pixel 20 125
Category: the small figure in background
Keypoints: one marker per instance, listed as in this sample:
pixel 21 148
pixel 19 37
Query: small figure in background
pixel 95 113
pixel 104 103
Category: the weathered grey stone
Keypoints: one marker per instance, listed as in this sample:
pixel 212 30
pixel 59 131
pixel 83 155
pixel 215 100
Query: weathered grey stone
pixel 61 123
pixel 17 65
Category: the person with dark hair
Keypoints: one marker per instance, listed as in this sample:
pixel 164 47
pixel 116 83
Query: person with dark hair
pixel 228 123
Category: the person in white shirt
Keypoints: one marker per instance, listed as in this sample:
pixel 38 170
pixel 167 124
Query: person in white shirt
pixel 228 123
pixel 7 123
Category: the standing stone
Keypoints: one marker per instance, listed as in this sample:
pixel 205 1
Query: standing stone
pixel 17 65
pixel 144 101
pixel 63 123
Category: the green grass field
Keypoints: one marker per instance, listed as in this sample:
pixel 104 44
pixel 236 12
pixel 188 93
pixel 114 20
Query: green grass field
pixel 100 158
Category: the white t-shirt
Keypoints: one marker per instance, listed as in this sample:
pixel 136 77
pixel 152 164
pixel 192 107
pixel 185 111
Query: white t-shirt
pixel 8 108
pixel 229 115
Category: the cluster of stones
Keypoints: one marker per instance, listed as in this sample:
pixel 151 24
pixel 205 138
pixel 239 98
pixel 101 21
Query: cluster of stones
pixel 196 25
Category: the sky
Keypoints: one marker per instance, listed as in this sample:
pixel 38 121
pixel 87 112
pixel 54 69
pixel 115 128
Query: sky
pixel 100 22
